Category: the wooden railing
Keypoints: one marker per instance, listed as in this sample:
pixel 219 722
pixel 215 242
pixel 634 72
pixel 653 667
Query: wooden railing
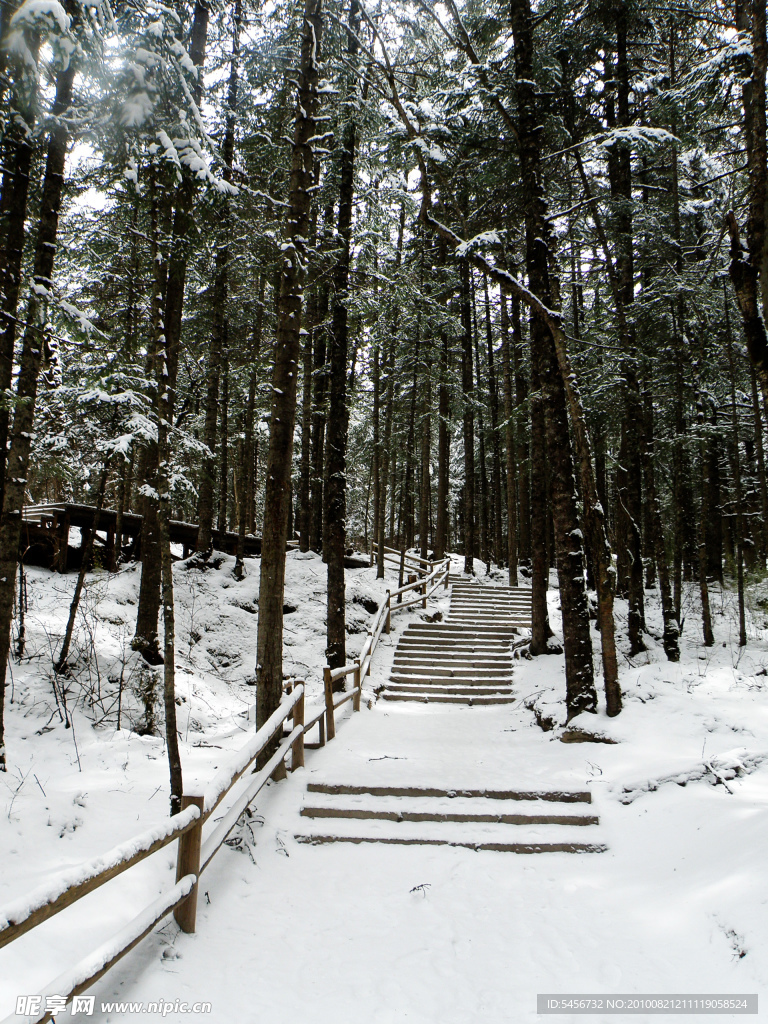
pixel 404 559
pixel 195 852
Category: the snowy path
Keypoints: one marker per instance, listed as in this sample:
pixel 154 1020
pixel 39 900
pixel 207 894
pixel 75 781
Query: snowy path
pixel 339 933
pixel 423 934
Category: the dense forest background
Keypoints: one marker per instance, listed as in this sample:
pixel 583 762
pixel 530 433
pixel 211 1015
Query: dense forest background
pixel 474 277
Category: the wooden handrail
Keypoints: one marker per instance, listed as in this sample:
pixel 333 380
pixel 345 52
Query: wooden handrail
pixel 227 776
pixel 74 883
pixel 94 966
pixel 398 551
pixel 339 673
pixel 342 698
pixel 198 806
pixel 257 781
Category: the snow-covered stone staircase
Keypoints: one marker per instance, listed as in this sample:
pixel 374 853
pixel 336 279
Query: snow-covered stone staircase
pixel 505 821
pixel 467 659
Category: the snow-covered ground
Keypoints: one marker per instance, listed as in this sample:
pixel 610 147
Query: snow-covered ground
pixel 342 932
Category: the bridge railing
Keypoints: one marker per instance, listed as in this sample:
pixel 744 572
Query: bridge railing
pixel 196 851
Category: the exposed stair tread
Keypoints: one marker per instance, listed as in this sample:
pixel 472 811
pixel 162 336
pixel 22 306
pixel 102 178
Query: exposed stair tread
pixel 465 658
pixel 317 840
pixel 581 796
pixel 441 698
pixel 500 819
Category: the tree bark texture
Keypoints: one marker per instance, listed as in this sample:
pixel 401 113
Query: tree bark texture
pixel 334 540
pixel 33 343
pixel 269 667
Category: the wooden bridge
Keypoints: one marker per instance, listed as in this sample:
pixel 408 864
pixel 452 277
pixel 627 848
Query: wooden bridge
pixel 45 535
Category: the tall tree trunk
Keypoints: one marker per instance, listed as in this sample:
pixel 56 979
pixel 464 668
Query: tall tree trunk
pixel 425 495
pixel 308 349
pixel 443 453
pixel 319 396
pixel 17 151
pixel 521 397
pixel 706 614
pixel 620 172
pixel 495 448
pixel 762 530
pixel 220 297
pixel 737 483
pixel 468 390
pixel 749 266
pixel 376 462
pixel 580 690
pixel 224 435
pixel 334 540
pixel 385 458
pixel 269 667
pixel 671 627
pixel 145 639
pixel 246 509
pixel 33 344
pixel 482 466
pixel 540 629
pixel 305 465
pixel 172 295
pixel 408 488
pixel 510 439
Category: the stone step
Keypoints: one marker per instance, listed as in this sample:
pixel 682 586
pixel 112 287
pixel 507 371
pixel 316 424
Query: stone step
pixel 468 635
pixel 407 660
pixel 541 847
pixel 489 613
pixel 449 628
pixel 492 615
pixel 578 796
pixel 448 655
pixel 460 584
pixel 507 622
pixel 428 671
pixel 469 689
pixel 317 840
pixel 369 814
pixel 427 683
pixel 513 613
pixel 484 651
pixel 458 637
pixel 441 698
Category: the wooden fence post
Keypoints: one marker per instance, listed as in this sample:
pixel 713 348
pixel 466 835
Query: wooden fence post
pixel 400 575
pixel 447 574
pixel 424 595
pixel 62 530
pixel 358 683
pixel 387 622
pixel 330 725
pixel 188 863
pixel 297 757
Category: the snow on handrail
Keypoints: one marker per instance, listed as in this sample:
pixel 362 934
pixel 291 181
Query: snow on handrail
pixel 213 843
pixel 238 763
pixel 70 885
pixel 92 967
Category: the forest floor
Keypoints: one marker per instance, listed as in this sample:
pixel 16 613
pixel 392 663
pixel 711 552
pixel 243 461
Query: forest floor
pixel 336 933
